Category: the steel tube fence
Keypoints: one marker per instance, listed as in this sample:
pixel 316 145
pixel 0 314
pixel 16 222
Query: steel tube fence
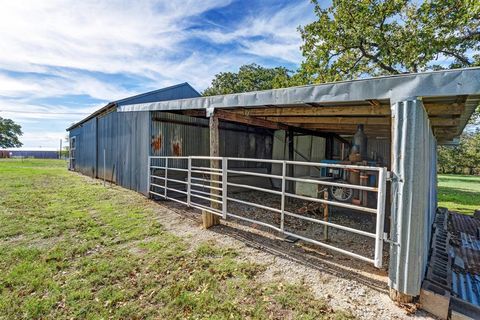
pixel 182 180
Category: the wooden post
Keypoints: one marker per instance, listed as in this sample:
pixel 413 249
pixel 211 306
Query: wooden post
pixel 325 216
pixel 208 218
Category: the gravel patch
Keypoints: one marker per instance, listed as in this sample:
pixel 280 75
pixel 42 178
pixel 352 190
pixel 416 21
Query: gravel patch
pixel 346 283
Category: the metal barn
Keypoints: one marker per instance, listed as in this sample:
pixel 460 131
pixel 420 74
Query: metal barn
pixel 305 161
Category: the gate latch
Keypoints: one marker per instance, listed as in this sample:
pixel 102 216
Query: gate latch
pixel 387 240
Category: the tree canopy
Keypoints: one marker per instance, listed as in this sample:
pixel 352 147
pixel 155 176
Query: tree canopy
pixel 9 133
pixel 351 38
pixel 251 77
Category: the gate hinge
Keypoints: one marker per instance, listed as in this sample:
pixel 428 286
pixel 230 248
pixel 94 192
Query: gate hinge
pixel 389 175
pixel 387 240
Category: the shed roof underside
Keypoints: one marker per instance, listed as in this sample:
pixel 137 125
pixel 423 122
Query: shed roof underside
pixel 449 96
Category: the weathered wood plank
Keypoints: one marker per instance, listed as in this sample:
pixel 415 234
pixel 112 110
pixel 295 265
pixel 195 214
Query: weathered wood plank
pixel 236 117
pixel 316 111
pixel 209 219
pixel 333 120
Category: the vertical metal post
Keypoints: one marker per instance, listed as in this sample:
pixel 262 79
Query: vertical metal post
pixel 104 166
pixel 189 180
pixel 291 157
pixel 149 176
pixel 166 178
pixel 224 187
pixel 325 216
pixel 382 186
pixel 282 203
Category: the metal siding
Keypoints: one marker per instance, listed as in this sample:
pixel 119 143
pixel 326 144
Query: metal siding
pixel 381 147
pixel 413 195
pixel 124 136
pixel 193 138
pixel 86 151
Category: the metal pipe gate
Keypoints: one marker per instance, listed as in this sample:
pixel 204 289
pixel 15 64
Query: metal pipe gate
pixel 206 188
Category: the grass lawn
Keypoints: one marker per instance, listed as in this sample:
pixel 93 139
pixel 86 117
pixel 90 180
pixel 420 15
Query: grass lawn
pixel 70 248
pixel 459 193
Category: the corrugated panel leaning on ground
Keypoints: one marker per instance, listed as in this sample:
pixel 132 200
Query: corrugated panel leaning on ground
pixel 414 195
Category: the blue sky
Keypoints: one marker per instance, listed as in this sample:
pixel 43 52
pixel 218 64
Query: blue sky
pixel 61 60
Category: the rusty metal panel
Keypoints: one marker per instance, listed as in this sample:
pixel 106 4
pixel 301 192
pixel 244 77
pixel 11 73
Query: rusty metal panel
pixel 179 135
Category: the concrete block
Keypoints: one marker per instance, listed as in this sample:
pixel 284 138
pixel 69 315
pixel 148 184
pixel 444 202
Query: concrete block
pixel 434 299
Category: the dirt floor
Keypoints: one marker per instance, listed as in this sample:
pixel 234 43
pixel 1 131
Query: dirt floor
pixel 345 282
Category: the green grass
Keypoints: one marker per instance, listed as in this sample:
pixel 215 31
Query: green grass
pixel 70 248
pixel 459 193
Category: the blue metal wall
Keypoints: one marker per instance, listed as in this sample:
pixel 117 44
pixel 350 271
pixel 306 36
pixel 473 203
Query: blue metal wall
pixel 86 147
pixel 37 154
pixel 121 140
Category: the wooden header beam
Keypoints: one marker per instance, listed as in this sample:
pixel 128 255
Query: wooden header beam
pixel 235 117
pixel 316 111
pixel 333 120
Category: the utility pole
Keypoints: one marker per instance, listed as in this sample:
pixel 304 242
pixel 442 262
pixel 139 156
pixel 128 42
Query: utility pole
pixel 60 153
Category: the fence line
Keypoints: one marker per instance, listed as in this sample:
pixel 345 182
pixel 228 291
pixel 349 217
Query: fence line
pixel 217 192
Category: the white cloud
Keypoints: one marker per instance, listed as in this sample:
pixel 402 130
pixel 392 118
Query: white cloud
pixel 110 36
pixel 267 33
pixel 73 41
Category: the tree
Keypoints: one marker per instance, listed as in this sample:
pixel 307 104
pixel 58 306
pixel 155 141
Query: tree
pixel 9 132
pixel 352 38
pixel 252 77
pixel 463 158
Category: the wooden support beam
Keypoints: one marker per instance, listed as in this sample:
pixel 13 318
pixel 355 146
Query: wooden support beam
pixel 343 126
pixel 444 122
pixel 317 111
pixel 436 109
pixel 236 117
pixel 208 218
pixel 195 113
pixel 444 131
pixel 333 120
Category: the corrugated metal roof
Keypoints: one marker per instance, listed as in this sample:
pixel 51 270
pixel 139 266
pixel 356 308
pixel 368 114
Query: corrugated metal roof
pixel 178 91
pixel 444 86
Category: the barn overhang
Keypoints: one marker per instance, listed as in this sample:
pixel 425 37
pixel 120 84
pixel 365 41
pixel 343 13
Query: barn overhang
pixel 449 97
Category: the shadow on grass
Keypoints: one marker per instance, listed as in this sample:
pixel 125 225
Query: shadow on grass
pixel 453 178
pixel 462 197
